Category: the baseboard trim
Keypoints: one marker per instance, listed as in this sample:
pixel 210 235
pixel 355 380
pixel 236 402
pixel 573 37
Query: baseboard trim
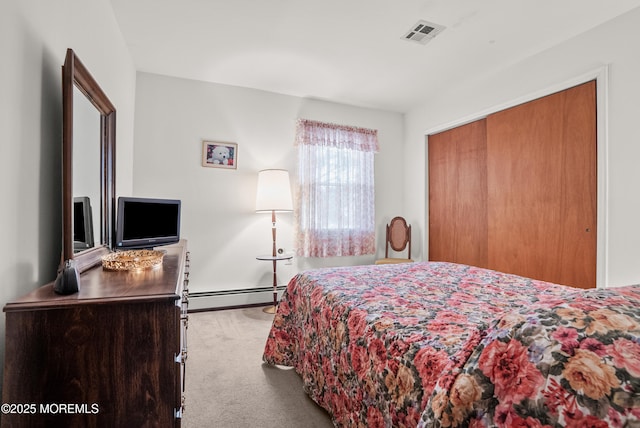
pixel 200 301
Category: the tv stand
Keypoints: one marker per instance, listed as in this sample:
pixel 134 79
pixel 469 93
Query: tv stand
pixel 112 354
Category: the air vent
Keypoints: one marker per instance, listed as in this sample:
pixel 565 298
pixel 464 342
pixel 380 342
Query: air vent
pixel 423 31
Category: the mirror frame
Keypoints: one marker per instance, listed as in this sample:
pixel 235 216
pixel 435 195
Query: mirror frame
pixel 75 74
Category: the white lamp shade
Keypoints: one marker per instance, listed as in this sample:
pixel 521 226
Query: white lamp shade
pixel 274 191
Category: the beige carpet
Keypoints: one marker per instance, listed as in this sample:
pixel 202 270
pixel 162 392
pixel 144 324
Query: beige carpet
pixel 228 385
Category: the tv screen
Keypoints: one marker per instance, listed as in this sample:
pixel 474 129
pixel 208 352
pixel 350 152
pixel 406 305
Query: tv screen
pixel 82 224
pixel 146 222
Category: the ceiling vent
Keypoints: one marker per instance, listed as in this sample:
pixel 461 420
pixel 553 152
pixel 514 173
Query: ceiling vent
pixel 423 31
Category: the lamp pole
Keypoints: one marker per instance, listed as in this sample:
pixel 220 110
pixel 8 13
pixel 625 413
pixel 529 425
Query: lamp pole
pixel 274 254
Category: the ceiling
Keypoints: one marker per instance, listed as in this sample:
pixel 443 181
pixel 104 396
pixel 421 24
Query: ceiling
pixel 347 51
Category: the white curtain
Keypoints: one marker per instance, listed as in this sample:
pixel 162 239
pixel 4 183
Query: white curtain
pixel 335 192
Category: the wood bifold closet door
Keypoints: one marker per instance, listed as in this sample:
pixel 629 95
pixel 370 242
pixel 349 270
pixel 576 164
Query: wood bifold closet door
pixel 516 191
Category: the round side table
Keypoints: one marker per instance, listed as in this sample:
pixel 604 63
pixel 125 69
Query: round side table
pixel 274 260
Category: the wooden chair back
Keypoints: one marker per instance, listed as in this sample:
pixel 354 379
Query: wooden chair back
pixel 398 236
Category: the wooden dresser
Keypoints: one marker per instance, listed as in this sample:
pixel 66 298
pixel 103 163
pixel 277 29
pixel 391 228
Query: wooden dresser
pixel 112 355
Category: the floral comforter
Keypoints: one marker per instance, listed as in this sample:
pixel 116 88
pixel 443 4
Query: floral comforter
pixel 441 344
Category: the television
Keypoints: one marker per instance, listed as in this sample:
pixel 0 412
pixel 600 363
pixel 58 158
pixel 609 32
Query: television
pixel 147 222
pixel 82 224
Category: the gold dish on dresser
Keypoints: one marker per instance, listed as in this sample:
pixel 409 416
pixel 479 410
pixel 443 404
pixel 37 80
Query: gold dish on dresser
pixel 132 260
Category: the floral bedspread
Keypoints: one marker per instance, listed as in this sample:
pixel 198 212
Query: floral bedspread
pixel 574 362
pixel 382 345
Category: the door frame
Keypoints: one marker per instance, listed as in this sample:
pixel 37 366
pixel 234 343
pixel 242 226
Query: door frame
pixel 601 76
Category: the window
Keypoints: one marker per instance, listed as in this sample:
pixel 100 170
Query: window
pixel 335 192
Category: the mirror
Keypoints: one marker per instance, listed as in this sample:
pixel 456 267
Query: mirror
pixel 86 173
pixel 88 167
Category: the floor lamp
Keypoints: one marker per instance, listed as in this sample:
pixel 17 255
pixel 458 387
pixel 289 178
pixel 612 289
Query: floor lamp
pixel 274 194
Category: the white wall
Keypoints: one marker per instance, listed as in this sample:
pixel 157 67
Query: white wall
pixel 174 116
pixel 34 37
pixel 614 44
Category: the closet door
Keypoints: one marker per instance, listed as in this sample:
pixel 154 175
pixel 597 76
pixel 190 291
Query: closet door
pixel 458 195
pixel 541 179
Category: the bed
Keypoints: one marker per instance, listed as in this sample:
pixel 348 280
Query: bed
pixel 441 345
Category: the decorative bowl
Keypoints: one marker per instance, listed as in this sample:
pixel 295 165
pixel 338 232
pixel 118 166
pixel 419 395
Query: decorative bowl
pixel 132 260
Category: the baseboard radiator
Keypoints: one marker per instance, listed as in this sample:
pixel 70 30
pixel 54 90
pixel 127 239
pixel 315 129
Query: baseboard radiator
pixel 225 299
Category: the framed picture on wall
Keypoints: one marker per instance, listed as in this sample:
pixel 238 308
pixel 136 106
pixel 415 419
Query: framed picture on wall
pixel 219 155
